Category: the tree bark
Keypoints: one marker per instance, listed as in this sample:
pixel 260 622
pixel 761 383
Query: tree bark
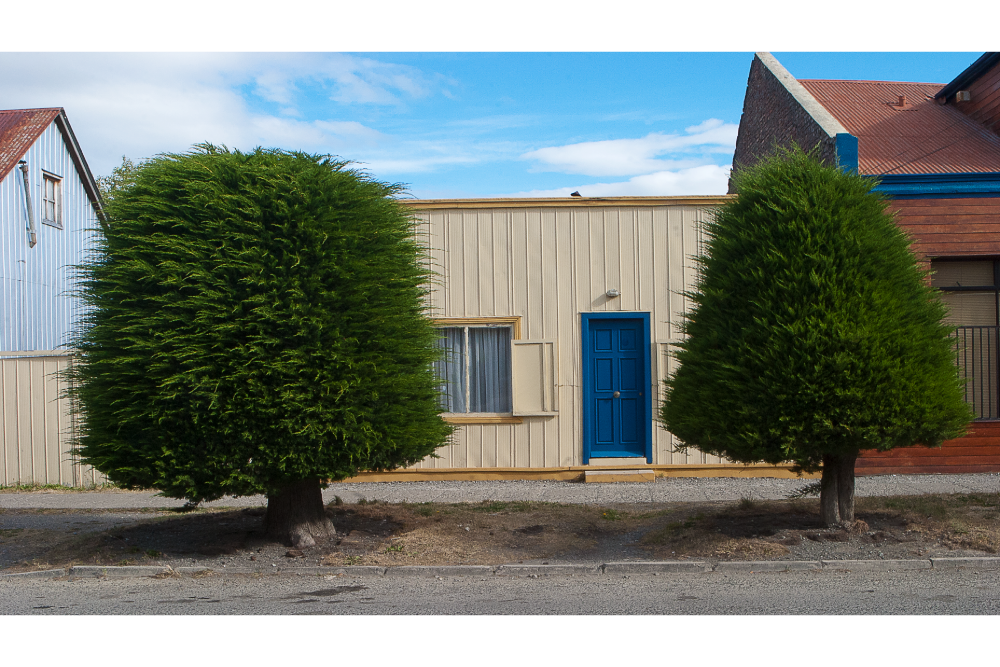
pixel 845 488
pixel 828 495
pixel 296 516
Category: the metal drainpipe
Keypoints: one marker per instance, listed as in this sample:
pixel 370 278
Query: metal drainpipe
pixel 32 236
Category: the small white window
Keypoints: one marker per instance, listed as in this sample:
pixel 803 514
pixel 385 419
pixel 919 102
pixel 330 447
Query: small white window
pixel 52 200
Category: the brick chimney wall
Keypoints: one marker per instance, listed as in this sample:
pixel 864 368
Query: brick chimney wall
pixel 772 116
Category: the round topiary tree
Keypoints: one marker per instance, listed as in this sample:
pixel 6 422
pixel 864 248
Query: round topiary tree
pixel 256 324
pixel 814 333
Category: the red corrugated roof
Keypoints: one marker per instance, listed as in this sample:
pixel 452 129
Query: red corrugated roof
pixel 18 130
pixel 921 137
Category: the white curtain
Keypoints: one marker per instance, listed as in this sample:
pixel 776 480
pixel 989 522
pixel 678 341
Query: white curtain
pixel 489 370
pixel 451 370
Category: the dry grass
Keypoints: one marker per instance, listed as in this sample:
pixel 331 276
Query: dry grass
pixel 483 533
pixel 61 488
pixel 489 533
pixel 958 521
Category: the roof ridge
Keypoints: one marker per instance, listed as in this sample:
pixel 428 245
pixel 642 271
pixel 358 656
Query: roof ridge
pixel 21 128
pixel 909 83
pixel 31 109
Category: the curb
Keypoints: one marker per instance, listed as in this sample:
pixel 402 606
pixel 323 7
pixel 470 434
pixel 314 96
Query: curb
pixel 768 566
pixel 977 563
pixel 885 565
pixel 535 571
pixel 439 571
pixel 521 570
pixel 656 567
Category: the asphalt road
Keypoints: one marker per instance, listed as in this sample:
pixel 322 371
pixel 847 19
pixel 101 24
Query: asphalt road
pixel 922 592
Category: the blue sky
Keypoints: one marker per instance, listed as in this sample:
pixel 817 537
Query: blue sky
pixel 446 124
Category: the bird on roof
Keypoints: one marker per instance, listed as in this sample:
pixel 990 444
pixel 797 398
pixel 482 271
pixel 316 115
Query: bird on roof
pixel 575 194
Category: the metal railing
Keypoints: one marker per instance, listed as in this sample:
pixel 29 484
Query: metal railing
pixel 978 353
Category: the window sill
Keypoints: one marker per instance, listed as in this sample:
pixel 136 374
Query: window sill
pixel 457 418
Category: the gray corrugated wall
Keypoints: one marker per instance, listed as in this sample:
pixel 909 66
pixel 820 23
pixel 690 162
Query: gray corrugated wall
pixel 36 309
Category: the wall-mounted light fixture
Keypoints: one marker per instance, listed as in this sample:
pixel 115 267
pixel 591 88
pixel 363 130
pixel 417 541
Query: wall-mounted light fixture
pixel 613 293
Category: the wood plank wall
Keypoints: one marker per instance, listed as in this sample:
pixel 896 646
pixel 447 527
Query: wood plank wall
pixel 985 104
pixel 958 227
pixel 978 451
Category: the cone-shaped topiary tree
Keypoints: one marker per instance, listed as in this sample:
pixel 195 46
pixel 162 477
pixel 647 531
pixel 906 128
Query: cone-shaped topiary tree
pixel 814 333
pixel 256 325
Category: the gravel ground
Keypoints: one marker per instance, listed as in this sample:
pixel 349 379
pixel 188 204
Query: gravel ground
pixel 664 489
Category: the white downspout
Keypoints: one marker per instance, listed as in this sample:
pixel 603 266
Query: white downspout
pixel 32 236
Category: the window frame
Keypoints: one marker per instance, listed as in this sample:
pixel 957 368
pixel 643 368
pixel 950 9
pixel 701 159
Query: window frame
pixel 57 200
pixel 981 289
pixel 514 324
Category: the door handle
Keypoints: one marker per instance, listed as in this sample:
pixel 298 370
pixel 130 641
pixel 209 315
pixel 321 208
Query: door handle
pixel 617 394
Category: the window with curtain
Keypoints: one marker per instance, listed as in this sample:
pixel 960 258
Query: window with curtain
pixel 476 370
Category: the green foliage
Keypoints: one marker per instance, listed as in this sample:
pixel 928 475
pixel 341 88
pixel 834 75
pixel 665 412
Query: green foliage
pixel 255 319
pixel 121 177
pixel 814 330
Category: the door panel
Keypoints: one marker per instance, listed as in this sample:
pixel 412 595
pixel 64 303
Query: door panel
pixel 616 407
pixel 628 377
pixel 604 374
pixel 630 429
pixel 605 421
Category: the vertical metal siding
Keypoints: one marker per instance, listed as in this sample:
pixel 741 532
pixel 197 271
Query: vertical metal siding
pixel 36 424
pixel 37 309
pixel 37 314
pixel 549 264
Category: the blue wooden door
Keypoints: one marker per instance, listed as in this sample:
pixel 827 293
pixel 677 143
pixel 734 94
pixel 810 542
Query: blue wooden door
pixel 616 386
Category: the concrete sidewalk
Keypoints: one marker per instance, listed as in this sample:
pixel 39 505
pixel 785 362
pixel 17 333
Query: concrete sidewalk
pixel 666 489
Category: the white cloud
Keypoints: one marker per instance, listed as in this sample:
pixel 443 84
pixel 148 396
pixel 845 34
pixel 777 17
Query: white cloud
pixel 415 165
pixel 143 104
pixel 709 179
pixel 626 157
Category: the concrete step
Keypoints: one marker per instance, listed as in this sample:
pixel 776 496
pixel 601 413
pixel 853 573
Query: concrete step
pixel 606 476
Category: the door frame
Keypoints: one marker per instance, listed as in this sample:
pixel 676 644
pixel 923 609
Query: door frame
pixel 588 380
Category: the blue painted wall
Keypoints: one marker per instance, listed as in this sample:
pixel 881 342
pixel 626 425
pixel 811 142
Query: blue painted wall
pixel 37 311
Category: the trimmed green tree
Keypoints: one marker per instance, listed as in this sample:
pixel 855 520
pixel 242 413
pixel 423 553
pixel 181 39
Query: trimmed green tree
pixel 813 334
pixel 256 325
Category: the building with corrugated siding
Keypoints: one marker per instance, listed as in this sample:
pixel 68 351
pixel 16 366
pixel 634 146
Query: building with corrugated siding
pixel 558 317
pixel 50 211
pixel 935 149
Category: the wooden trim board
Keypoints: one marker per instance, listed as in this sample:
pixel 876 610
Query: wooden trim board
pixel 572 473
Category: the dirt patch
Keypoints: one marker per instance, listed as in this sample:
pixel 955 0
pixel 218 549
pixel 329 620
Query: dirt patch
pixel 491 533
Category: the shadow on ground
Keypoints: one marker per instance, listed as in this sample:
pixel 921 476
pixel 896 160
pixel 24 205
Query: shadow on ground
pixel 493 532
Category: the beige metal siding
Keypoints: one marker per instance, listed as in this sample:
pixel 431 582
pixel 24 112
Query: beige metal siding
pixel 548 264
pixel 36 424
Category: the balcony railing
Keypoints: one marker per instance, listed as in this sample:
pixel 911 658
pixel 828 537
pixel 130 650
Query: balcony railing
pixel 977 354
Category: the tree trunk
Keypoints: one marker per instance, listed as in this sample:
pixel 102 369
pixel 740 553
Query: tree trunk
pixel 845 488
pixel 828 496
pixel 296 516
